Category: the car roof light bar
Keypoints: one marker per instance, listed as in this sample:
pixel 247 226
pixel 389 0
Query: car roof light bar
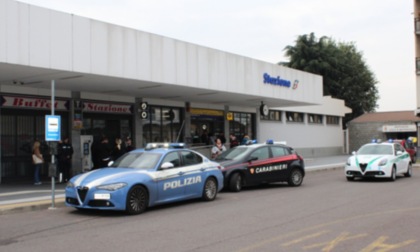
pixel 151 146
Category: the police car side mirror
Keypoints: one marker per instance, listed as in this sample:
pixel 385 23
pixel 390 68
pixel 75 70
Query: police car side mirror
pixel 110 163
pixel 353 153
pixel 167 165
pixel 252 159
pixel 399 153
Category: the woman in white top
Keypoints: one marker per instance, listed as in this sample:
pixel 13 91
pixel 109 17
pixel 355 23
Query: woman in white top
pixel 38 161
pixel 217 149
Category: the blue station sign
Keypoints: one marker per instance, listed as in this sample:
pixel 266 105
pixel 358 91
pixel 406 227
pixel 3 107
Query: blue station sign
pixel 52 128
pixel 277 81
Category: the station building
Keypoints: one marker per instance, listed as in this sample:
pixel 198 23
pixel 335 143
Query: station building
pixel 107 80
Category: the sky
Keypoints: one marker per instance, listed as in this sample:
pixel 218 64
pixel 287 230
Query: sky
pixel 382 30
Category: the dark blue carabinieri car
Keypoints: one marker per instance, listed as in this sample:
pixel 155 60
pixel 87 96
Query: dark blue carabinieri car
pixel 255 164
pixel 146 177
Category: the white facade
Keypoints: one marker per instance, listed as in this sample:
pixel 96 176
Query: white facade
pixel 311 139
pixel 57 42
pixel 103 61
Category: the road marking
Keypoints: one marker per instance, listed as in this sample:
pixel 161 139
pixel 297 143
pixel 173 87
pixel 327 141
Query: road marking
pixel 304 238
pixel 259 245
pixel 380 246
pixel 329 246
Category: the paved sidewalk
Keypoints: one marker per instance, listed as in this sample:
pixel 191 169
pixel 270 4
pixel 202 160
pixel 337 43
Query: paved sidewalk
pixel 28 197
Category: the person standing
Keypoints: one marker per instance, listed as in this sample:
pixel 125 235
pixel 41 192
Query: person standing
pixel 94 148
pixel 104 153
pixel 38 161
pixel 118 149
pixel 245 139
pixel 233 141
pixel 217 149
pixel 129 144
pixel 65 154
pixel 222 137
pixel 205 137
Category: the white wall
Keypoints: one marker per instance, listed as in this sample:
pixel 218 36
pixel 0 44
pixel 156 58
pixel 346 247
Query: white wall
pixel 310 136
pixel 40 37
pixel 302 135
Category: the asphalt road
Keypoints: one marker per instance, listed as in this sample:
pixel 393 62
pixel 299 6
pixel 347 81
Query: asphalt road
pixel 326 213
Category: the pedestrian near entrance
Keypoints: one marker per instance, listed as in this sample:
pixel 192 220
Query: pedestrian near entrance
pixel 233 141
pixel 38 161
pixel 217 149
pixel 245 139
pixel 118 149
pixel 104 153
pixel 222 137
pixel 129 144
pixel 64 154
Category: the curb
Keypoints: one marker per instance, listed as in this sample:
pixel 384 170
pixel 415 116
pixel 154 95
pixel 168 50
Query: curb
pixel 31 206
pixel 325 167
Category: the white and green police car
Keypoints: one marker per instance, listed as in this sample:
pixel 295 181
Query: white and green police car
pixel 379 160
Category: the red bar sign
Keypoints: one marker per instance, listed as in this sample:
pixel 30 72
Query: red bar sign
pixel 106 108
pixel 35 103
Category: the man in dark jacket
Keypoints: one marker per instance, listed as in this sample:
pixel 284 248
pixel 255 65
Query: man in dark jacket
pixel 64 156
pixel 104 153
pixel 233 141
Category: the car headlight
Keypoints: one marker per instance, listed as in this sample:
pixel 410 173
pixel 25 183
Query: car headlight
pixel 70 184
pixel 383 162
pixel 111 187
pixel 348 163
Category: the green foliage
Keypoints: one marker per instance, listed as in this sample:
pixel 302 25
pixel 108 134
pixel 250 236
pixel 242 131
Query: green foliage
pixel 345 74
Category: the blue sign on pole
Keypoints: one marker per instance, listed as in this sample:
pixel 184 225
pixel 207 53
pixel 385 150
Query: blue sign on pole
pixel 52 128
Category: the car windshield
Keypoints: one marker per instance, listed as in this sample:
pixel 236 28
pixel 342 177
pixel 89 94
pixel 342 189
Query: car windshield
pixel 138 160
pixel 376 149
pixel 233 154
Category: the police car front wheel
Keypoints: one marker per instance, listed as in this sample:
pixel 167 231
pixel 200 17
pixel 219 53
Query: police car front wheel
pixel 137 200
pixel 235 182
pixel 296 177
pixel 409 171
pixel 393 174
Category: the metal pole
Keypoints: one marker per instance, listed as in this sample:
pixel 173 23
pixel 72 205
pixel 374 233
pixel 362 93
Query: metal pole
pixel 52 154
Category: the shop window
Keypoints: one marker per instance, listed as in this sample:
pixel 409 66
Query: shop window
pixel 294 117
pixel 314 118
pixel 163 125
pixel 8 143
pixel 242 123
pixel 19 130
pixel 273 115
pixel 206 125
pixel 333 120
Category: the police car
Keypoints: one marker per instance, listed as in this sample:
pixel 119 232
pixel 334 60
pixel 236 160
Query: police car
pixel 379 160
pixel 255 164
pixel 157 174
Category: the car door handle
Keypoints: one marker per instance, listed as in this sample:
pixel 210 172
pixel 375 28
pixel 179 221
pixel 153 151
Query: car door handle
pixel 181 173
pixel 202 169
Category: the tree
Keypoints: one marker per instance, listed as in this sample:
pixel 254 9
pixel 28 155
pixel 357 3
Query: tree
pixel 345 74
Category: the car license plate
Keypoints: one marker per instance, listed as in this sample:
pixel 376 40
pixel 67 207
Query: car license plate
pixel 102 196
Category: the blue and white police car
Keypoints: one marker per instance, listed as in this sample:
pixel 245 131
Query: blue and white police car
pixel 379 160
pixel 261 163
pixel 157 174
